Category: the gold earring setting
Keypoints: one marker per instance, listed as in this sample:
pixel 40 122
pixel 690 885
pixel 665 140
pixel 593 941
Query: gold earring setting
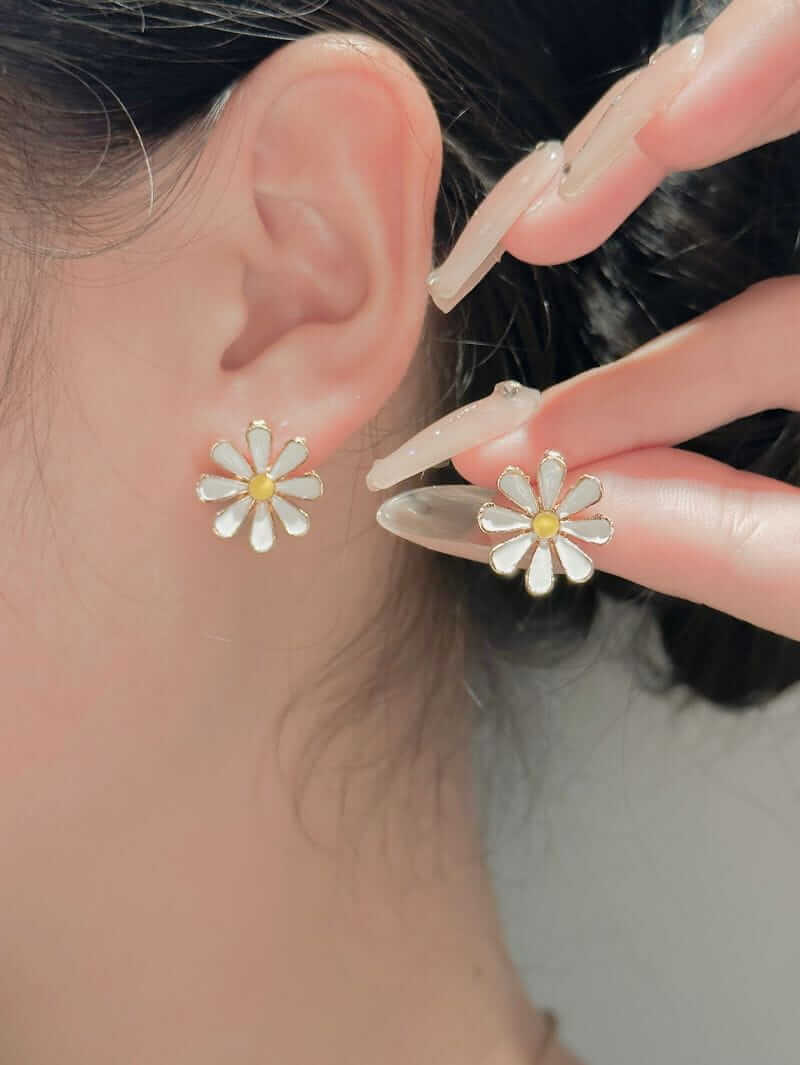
pixel 260 486
pixel 545 525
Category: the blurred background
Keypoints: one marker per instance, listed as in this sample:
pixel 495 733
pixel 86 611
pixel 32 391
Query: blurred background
pixel 646 854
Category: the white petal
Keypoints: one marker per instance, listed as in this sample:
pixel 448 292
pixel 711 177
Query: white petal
pixel 226 456
pixel 262 531
pixel 552 471
pixel 494 519
pixel 294 454
pixel 307 487
pixel 295 521
pixel 210 488
pixel 515 484
pixel 586 491
pixel 229 521
pixel 577 564
pixel 591 530
pixel 505 558
pixel 539 577
pixel 259 440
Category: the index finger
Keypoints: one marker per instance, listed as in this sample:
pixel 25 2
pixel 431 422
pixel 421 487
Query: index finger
pixel 731 362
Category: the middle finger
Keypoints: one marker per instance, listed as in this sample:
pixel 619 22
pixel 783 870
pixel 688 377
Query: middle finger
pixel 735 360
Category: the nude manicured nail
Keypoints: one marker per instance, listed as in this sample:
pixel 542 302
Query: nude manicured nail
pixel 479 247
pixel 653 90
pixel 509 406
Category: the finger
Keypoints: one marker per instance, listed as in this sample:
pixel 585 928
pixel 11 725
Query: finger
pixel 732 361
pixel 744 93
pixel 691 527
pixel 703 100
pixel 532 186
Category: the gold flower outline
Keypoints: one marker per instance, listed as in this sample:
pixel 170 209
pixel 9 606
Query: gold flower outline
pixel 545 524
pixel 260 486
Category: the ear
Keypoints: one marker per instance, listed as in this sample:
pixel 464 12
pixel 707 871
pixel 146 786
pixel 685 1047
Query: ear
pixel 330 155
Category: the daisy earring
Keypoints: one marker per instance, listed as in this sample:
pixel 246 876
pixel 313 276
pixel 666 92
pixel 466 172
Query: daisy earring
pixel 260 485
pixel 538 536
pixel 544 525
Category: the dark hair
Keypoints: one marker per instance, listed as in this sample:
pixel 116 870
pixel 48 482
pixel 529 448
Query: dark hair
pixel 89 90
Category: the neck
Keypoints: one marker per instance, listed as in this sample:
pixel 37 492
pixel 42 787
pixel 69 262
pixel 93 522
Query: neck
pixel 221 923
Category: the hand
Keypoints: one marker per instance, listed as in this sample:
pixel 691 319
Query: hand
pixel 686 525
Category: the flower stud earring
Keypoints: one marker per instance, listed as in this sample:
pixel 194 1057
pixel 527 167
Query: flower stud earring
pixel 455 518
pixel 260 486
pixel 543 524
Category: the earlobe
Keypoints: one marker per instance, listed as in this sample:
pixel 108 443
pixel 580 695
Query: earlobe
pixel 344 157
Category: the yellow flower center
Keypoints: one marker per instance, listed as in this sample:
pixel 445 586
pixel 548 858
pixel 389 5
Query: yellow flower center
pixel 261 487
pixel 546 524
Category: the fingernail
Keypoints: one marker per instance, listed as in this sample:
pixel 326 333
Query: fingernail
pixel 509 406
pixel 659 52
pixel 654 89
pixel 441 518
pixel 479 247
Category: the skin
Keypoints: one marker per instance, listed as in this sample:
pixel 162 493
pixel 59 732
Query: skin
pixel 170 893
pixel 154 861
pixel 686 525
